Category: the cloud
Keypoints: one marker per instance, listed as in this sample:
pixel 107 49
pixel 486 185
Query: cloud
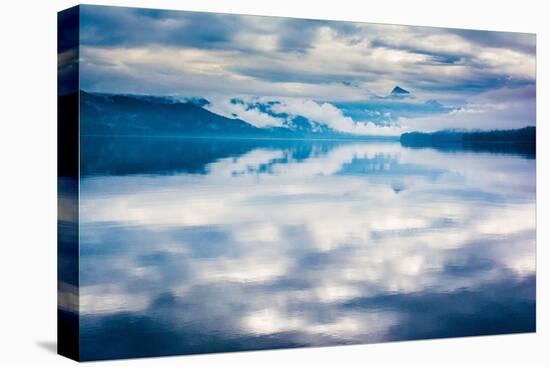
pixel 333 117
pixel 222 56
pixel 132 27
pixel 274 112
pixel 225 107
pixel 505 108
pixel 524 42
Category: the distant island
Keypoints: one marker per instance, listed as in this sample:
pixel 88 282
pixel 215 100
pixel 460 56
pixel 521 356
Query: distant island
pixel 517 140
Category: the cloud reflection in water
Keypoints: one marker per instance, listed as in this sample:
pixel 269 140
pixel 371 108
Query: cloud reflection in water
pixel 305 245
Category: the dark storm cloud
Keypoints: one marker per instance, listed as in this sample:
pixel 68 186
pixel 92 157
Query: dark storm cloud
pixel 129 27
pixel 436 57
pixel 471 85
pixel 525 42
pixel 299 35
pixel 278 74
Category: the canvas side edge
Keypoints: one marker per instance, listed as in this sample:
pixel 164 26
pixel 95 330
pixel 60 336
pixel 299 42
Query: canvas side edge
pixel 68 180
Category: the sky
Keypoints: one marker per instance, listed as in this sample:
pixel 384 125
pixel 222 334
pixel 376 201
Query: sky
pixel 337 73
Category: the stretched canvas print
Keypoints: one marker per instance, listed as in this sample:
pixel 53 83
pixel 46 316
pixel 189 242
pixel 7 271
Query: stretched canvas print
pixel 233 182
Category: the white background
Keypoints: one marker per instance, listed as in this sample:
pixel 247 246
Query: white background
pixel 28 183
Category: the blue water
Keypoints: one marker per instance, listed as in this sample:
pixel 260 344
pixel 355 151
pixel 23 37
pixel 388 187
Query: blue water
pixel 196 246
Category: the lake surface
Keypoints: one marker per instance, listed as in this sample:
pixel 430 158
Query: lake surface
pixel 196 246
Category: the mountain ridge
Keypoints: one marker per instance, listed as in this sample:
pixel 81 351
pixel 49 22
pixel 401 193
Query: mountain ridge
pixel 116 114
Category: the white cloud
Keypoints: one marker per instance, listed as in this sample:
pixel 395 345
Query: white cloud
pixel 328 114
pixel 224 106
pixel 504 108
pixel 319 112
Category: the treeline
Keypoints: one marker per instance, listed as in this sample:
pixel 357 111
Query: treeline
pixel 518 141
pixel 526 135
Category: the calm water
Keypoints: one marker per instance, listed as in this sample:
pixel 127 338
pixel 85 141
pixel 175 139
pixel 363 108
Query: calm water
pixel 193 246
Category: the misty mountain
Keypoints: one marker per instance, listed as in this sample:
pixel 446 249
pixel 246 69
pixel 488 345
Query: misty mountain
pixel 386 111
pixel 293 124
pixel 102 114
pixel 105 114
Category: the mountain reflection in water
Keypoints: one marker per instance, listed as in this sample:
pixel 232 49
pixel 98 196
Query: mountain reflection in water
pixel 212 245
